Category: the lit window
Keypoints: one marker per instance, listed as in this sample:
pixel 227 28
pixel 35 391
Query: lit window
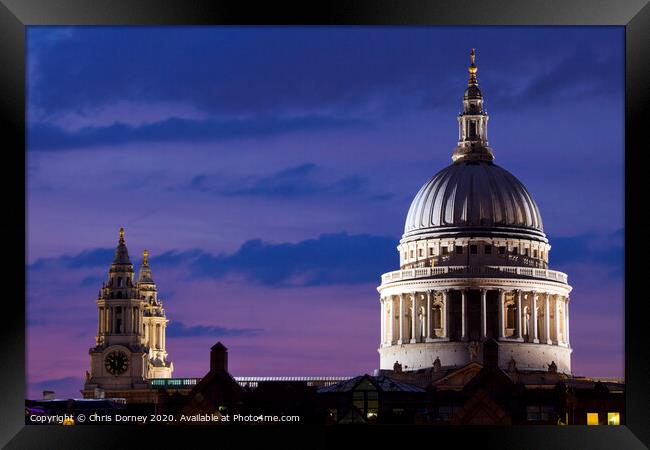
pixel 534 253
pixel 613 418
pixel 592 418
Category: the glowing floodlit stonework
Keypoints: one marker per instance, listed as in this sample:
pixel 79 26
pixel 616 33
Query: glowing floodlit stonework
pixel 130 344
pixel 474 266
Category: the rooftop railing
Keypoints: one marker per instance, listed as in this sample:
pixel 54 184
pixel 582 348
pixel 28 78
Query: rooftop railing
pixel 442 271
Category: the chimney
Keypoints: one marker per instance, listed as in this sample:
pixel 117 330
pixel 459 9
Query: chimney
pixel 48 395
pixel 218 358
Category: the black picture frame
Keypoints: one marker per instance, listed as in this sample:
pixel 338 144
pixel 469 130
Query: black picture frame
pixel 15 15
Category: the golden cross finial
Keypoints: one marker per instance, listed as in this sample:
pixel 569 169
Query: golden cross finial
pixel 121 235
pixel 145 254
pixel 472 69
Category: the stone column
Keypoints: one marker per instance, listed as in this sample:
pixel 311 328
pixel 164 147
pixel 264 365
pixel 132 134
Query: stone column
pixel 547 320
pixel 401 319
pixel 99 322
pixel 414 317
pixel 535 320
pixel 428 336
pixel 463 310
pixel 113 320
pixel 483 313
pixel 382 312
pixel 445 313
pixel 126 319
pixel 391 315
pixel 519 315
pixel 557 319
pixel 566 318
pixel 502 324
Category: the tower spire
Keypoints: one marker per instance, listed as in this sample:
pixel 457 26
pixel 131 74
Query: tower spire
pixel 145 255
pixel 121 253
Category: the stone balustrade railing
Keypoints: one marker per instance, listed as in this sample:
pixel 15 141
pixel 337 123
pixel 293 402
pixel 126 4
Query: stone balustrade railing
pixel 429 272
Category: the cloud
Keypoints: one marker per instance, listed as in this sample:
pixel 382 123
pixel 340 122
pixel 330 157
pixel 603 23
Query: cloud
pixel 65 384
pixel 178 329
pixel 327 260
pixel 604 250
pixel 237 71
pixel 298 181
pixel 44 136
pixel 330 259
pixel 593 74
pixel 87 258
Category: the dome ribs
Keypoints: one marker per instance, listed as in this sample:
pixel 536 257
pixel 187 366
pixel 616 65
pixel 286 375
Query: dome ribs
pixel 478 194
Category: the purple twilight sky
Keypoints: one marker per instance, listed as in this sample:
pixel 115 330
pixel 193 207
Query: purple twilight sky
pixel 269 171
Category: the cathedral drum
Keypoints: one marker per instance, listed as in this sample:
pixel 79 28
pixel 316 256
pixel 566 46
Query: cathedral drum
pixel 474 265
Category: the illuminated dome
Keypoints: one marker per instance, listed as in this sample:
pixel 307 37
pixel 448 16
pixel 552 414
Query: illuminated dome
pixel 472 195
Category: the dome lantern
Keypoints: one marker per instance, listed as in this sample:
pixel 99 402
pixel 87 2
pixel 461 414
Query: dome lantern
pixel 472 122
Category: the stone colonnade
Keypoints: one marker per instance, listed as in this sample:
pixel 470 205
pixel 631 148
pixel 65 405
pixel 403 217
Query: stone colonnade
pixel 130 320
pixel 523 316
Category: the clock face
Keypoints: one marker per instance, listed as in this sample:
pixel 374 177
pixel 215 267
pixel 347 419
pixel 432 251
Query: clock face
pixel 116 362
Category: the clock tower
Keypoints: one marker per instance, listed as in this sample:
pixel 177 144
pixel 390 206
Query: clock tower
pixel 130 343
